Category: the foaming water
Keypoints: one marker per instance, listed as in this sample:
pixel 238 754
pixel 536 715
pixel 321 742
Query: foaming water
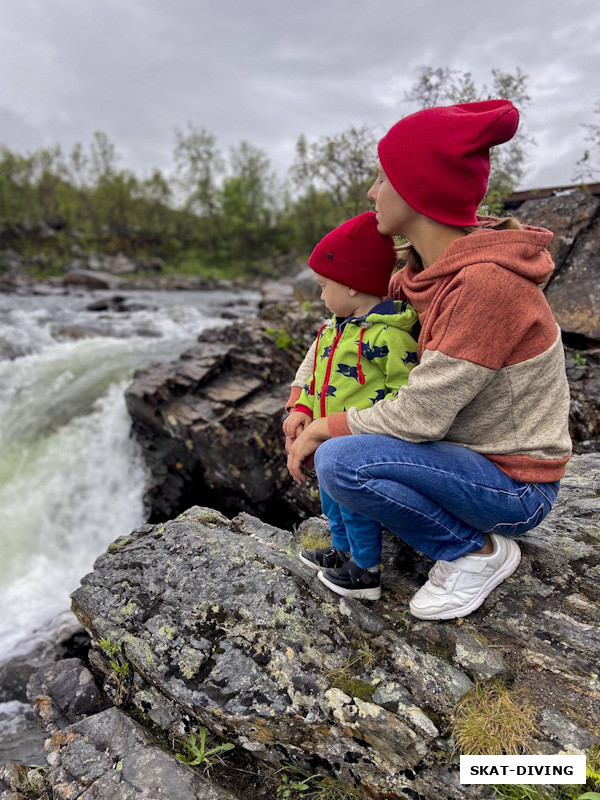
pixel 64 498
pixel 71 477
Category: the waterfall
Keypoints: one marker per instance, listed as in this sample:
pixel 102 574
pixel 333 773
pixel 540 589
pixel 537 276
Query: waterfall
pixel 71 477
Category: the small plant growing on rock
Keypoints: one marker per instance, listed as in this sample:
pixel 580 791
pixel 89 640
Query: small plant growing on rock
pixel 314 539
pixel 312 787
pixel 294 788
pixel 197 752
pixel 283 341
pixel 494 720
pixel 119 666
pixel 27 782
pixel 366 654
pixel 344 679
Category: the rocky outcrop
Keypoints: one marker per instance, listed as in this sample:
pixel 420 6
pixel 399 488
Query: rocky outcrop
pixel 119 264
pixel 20 735
pixel 210 423
pixel 574 289
pixel 583 372
pixel 221 626
pixel 574 296
pixel 88 279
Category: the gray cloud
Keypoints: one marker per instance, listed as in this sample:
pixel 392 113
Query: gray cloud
pixel 269 70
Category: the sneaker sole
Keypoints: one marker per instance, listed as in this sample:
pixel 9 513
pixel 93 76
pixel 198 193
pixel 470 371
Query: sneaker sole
pixel 360 594
pixel 509 567
pixel 308 563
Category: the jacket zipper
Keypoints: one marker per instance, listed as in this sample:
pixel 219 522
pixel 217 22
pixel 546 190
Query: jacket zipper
pixel 328 372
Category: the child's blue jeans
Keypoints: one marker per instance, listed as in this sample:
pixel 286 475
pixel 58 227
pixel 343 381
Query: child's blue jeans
pixel 437 496
pixel 353 532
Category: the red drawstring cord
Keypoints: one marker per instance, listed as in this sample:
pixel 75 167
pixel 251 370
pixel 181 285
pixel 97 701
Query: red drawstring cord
pixel 361 375
pixel 311 389
pixel 359 370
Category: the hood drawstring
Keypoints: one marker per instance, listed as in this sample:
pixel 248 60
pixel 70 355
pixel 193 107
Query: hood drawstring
pixel 359 369
pixel 311 389
pixel 361 375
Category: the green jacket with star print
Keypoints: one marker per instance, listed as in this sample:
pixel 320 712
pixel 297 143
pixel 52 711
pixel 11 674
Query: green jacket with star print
pixel 360 360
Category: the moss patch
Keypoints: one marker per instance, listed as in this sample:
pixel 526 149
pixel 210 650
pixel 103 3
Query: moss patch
pixel 355 688
pixel 312 539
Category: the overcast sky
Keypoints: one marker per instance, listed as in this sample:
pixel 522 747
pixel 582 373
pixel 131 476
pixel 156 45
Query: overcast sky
pixel 268 70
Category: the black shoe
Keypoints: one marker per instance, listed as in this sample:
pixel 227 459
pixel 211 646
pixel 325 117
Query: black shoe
pixel 352 581
pixel 325 558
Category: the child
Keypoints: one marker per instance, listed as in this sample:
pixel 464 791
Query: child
pixel 362 355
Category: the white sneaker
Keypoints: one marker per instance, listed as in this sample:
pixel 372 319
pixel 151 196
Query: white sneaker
pixel 456 588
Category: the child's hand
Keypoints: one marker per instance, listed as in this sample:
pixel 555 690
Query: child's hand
pixel 302 450
pixel 293 426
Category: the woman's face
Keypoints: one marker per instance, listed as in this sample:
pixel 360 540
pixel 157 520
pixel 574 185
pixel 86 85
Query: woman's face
pixel 394 215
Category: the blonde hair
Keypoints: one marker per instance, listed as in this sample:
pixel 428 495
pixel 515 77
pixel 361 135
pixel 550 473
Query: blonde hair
pixel 406 252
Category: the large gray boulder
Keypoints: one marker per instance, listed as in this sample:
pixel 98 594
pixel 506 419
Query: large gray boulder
pixel 111 757
pixel 583 373
pixel 573 291
pixel 210 423
pixel 222 626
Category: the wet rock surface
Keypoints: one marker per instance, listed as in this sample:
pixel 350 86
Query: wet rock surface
pixel 222 626
pixel 21 739
pixel 210 423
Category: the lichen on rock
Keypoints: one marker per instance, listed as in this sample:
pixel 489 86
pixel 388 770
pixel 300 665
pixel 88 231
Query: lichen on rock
pixel 233 632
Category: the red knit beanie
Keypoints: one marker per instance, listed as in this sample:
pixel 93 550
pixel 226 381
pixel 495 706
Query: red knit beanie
pixel 356 255
pixel 438 159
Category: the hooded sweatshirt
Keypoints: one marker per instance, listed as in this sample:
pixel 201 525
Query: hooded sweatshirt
pixel 491 375
pixel 359 361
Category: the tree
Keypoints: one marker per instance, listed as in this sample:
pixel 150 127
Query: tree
pixel 198 166
pixel 155 195
pixel 248 204
pixel 587 167
pixel 343 165
pixel 445 86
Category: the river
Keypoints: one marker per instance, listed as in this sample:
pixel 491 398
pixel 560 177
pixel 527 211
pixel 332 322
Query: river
pixel 71 477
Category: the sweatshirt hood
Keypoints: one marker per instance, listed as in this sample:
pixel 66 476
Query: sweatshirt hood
pixel 521 251
pixel 395 313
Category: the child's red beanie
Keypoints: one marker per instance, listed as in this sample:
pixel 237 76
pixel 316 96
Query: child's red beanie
pixel 438 159
pixel 356 255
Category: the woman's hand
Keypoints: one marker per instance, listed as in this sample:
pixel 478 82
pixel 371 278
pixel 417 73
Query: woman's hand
pixel 305 445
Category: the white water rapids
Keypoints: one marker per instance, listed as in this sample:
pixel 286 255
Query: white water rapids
pixel 71 478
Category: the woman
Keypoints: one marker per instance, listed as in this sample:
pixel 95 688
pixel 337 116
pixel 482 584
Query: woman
pixel 471 452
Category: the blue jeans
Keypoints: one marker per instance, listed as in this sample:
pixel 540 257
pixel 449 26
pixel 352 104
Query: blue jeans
pixel 353 532
pixel 439 497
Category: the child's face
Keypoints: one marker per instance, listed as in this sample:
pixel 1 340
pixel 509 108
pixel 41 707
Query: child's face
pixel 338 298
